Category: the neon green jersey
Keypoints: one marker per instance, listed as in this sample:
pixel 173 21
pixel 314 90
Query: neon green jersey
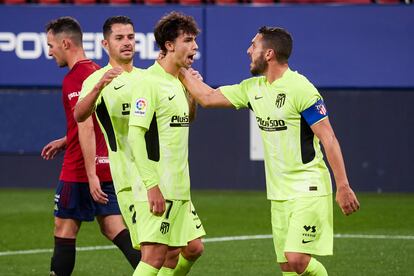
pixel 293 159
pixel 159 104
pixel 112 112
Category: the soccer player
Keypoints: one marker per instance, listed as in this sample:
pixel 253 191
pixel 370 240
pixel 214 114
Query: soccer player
pixel 293 119
pixel 85 160
pixel 158 135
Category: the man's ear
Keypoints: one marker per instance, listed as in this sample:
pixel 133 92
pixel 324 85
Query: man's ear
pixel 170 46
pixel 104 44
pixel 66 43
pixel 270 53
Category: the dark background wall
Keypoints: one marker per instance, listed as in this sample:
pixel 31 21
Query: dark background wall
pixel 360 57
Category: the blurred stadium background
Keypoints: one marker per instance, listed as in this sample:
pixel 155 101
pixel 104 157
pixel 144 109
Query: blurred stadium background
pixel 359 54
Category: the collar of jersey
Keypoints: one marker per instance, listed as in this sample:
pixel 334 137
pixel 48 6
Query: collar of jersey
pixel 278 81
pixel 157 68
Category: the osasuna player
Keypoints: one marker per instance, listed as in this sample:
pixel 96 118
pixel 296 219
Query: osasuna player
pixel 293 120
pixel 85 189
pixel 158 135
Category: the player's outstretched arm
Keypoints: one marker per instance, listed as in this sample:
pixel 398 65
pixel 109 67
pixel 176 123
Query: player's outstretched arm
pixel 86 106
pixel 345 196
pixel 52 148
pixel 206 96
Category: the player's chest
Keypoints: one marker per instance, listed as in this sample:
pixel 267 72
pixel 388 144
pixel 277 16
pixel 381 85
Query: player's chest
pixel 272 103
pixel 172 100
pixel 117 98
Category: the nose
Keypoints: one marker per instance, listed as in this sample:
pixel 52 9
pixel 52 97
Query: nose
pixel 195 46
pixel 249 50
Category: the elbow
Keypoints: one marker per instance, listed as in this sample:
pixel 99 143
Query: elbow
pixel 79 117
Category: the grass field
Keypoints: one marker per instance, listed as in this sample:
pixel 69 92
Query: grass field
pixel 378 240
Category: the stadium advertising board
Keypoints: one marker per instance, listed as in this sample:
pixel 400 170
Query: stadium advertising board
pixel 23 45
pixel 334 46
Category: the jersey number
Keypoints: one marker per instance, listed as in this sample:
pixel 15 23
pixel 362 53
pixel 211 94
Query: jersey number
pixel 134 214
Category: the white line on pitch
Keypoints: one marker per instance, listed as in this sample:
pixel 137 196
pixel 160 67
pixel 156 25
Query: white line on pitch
pixel 217 239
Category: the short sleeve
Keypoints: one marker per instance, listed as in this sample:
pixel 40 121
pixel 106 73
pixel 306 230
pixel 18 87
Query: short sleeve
pixel 236 94
pixel 87 86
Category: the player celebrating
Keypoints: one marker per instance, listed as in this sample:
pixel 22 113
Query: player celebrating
pixel 293 119
pixel 73 200
pixel 158 135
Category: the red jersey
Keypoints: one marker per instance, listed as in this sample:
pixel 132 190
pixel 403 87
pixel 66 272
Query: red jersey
pixel 73 168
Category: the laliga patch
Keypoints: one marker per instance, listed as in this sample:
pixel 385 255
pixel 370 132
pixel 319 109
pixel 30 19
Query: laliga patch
pixel 140 107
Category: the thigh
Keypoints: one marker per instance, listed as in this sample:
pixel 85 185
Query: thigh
pixel 111 207
pixel 311 226
pixel 189 226
pixel 280 213
pixel 128 210
pixel 73 201
pixel 157 229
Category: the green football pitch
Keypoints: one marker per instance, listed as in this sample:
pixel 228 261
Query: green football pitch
pixel 378 240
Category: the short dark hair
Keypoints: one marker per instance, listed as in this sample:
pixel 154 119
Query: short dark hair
pixel 118 19
pixel 279 40
pixel 68 25
pixel 170 25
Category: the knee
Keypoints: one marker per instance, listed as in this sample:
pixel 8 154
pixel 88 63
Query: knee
pixel 156 261
pixel 297 261
pixel 66 229
pixel 193 250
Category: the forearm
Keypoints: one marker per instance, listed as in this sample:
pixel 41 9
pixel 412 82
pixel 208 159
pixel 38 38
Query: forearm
pixel 88 145
pixel 86 106
pixel 145 167
pixel 192 107
pixel 62 142
pixel 336 161
pixel 206 96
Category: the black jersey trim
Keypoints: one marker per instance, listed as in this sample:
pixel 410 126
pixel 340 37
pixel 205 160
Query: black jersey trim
pixel 306 141
pixel 103 117
pixel 152 140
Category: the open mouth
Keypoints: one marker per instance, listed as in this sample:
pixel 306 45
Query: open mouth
pixel 191 58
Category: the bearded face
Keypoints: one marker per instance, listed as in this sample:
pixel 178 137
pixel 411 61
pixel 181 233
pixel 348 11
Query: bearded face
pixel 258 65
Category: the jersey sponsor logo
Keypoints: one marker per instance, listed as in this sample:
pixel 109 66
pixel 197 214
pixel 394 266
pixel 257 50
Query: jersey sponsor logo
pixel 271 124
pixel 180 121
pixel 172 97
pixel 72 95
pixel 198 226
pixel 126 107
pixel 119 87
pixel 310 234
pixel 165 227
pixel 258 97
pixel 280 100
pixel 140 107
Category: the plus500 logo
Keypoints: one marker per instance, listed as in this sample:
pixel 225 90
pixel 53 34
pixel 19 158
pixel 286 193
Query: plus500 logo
pixel 27 45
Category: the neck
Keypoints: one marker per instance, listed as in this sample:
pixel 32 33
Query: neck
pixel 169 66
pixel 275 71
pixel 75 56
pixel 125 66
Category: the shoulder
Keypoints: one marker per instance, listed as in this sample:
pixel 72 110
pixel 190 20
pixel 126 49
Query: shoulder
pixel 97 74
pixel 299 80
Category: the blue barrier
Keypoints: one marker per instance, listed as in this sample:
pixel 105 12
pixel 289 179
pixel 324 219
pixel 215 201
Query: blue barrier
pixel 335 46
